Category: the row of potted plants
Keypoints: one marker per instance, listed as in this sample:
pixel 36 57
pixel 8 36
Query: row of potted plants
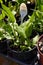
pixel 20 41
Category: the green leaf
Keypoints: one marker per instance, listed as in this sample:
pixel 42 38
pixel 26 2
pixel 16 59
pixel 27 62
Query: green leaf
pixel 28 26
pixel 35 39
pixel 8 36
pixel 2 15
pixel 0 1
pixel 9 13
pixel 21 32
pixel 28 30
pixel 42 8
pixel 8 28
pixel 2 23
pixel 1 35
pixel 39 4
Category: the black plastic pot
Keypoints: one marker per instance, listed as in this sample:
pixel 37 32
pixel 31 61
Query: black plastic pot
pixel 3 46
pixel 22 56
pixel 9 59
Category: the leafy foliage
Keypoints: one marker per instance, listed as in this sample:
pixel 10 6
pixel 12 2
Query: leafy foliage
pixel 7 10
pixel 2 15
pixel 21 34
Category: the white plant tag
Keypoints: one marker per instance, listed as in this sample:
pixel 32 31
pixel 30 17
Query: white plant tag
pixel 23 11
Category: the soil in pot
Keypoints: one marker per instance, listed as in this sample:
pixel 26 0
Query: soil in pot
pixel 16 53
pixel 3 46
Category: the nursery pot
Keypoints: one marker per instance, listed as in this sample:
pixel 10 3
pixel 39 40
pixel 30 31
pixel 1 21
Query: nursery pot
pixel 3 46
pixel 40 53
pixel 22 56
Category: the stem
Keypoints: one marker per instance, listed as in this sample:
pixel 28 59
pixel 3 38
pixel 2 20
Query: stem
pixel 21 20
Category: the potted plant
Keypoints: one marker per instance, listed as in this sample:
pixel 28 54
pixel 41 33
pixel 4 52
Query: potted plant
pixel 40 48
pixel 19 44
